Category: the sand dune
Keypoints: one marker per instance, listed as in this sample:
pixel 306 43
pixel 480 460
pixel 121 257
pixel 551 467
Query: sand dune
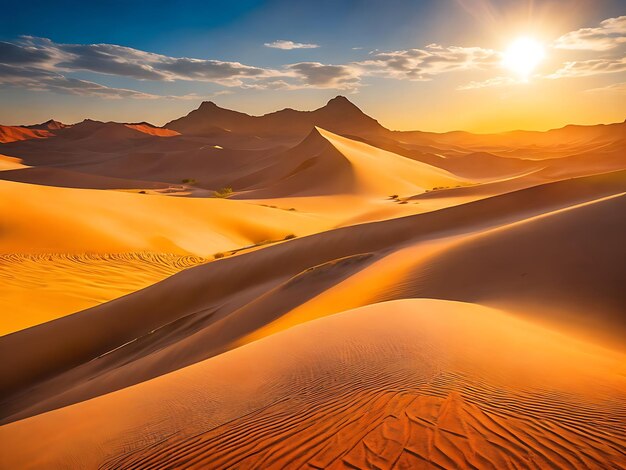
pixel 17 133
pixel 254 290
pixel 553 143
pixel 152 130
pixel 408 384
pixel 11 163
pixel 91 221
pixel 65 284
pixel 326 163
pixel 52 176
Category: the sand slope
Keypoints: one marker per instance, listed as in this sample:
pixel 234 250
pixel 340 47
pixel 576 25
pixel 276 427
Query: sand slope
pixel 66 283
pixel 82 220
pixel 326 163
pixel 152 130
pixel 10 163
pixel 407 384
pixel 17 133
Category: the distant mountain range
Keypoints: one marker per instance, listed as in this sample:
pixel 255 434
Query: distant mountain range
pixel 290 126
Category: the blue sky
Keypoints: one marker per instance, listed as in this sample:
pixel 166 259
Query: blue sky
pixel 431 65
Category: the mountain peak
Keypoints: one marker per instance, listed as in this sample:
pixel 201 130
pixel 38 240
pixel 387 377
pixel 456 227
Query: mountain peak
pixel 50 124
pixel 208 105
pixel 341 101
pixel 339 115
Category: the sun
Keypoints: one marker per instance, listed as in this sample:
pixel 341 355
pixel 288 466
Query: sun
pixel 522 56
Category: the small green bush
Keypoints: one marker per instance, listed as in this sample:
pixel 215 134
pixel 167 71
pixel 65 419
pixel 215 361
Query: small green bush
pixel 224 192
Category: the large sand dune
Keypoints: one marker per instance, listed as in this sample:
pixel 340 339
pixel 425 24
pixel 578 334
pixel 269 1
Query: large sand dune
pixel 83 220
pixel 326 163
pixel 408 384
pixel 17 133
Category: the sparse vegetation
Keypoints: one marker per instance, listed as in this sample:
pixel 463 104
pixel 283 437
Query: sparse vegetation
pixel 189 181
pixel 142 192
pixel 292 209
pixel 223 192
pixel 290 236
pixel 393 196
pixel 218 255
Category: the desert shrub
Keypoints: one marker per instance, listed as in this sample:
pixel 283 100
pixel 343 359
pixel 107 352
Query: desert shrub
pixel 142 192
pixel 393 196
pixel 218 255
pixel 189 181
pixel 224 192
pixel 292 209
pixel 290 236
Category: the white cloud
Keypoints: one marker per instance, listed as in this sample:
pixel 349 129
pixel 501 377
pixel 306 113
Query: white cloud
pixel 609 35
pixel 424 64
pixel 288 45
pixel 585 68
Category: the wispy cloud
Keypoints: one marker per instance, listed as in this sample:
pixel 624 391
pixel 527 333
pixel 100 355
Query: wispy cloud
pixel 615 88
pixel 490 82
pixel 342 77
pixel 288 45
pixel 608 35
pixel 42 64
pixel 44 80
pixel 585 68
pixel 123 61
pixel 424 64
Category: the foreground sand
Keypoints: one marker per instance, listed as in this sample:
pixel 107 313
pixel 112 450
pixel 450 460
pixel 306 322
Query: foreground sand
pixel 404 384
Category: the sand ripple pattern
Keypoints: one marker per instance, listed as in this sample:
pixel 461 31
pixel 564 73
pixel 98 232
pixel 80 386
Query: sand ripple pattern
pixel 35 288
pixel 405 418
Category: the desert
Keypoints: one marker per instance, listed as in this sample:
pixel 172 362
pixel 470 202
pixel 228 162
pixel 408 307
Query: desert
pixel 310 287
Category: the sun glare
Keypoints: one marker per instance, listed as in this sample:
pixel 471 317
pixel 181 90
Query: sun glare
pixel 522 56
